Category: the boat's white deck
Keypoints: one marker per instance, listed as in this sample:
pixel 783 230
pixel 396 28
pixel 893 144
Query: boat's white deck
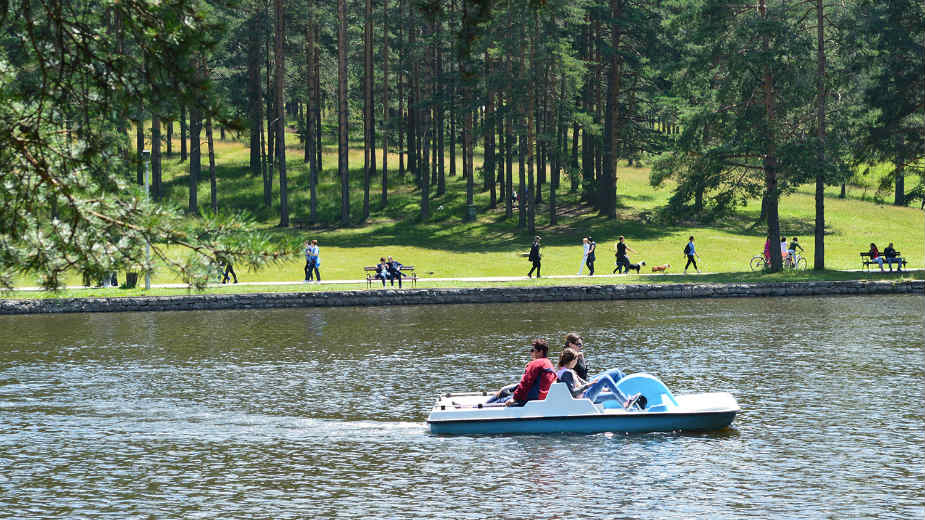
pixel 560 403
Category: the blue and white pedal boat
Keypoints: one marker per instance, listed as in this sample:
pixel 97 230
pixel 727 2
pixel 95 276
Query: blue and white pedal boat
pixel 469 413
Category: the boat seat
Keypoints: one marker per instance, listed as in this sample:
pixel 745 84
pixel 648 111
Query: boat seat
pixel 659 398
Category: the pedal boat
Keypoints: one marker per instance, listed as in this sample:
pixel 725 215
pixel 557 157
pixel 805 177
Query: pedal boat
pixel 469 413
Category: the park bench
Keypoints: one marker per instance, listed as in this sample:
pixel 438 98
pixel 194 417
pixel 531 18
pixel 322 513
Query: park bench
pixel 407 272
pixel 866 261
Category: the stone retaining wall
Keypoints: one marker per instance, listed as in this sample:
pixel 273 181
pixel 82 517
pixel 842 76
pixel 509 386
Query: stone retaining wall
pixel 378 297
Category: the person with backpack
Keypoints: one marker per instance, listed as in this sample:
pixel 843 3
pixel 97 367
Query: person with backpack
pixel 535 257
pixel 691 254
pixel 590 258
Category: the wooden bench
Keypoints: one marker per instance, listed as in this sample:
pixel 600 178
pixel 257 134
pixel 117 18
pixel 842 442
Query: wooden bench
pixel 407 272
pixel 866 262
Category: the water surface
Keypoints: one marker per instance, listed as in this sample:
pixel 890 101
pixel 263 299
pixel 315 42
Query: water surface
pixel 319 413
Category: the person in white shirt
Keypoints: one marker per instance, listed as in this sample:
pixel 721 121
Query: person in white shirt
pixel 586 244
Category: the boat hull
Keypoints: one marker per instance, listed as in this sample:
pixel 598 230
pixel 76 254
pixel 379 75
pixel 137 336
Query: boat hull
pixel 624 423
pixel 559 412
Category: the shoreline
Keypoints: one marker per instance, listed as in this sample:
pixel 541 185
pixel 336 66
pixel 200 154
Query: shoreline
pixel 450 296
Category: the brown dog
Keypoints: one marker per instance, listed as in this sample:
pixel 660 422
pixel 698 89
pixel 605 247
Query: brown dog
pixel 661 268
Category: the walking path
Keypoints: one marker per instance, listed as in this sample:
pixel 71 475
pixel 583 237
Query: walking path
pixel 363 280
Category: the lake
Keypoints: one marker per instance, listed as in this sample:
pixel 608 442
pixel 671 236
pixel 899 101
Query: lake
pixel 320 413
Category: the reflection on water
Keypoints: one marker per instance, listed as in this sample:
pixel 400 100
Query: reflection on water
pixel 320 412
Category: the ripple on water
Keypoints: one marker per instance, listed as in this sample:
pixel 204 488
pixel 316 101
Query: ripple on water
pixel 320 413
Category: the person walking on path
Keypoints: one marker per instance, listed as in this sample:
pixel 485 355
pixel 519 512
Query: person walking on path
pixel 312 262
pixel 229 269
pixel 535 257
pixel 590 257
pixel 691 254
pixel 623 262
pixel 586 245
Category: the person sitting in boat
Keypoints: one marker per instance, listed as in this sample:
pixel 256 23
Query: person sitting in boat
pixel 581 388
pixel 539 375
pixel 574 342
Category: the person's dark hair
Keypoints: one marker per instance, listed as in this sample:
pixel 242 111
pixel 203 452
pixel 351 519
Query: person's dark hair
pixel 567 356
pixel 690 237
pixel 572 338
pixel 382 259
pixel 540 344
pixel 872 245
pixel 621 237
pixel 795 239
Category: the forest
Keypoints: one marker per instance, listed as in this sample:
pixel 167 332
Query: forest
pixel 724 100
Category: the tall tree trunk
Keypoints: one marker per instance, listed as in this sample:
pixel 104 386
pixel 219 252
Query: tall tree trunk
pixel 139 147
pixel 541 129
pixel 281 112
pixel 559 152
pixel 386 120
pixel 608 182
pixel 488 164
pixel 317 96
pixel 413 99
pixel 899 197
pixel 467 86
pixel 213 188
pixel 440 106
pixel 255 96
pixel 426 127
pixel 342 151
pixel 587 140
pixel 819 248
pixel 531 128
pixel 498 151
pixel 573 163
pixel 402 78
pixel 183 133
pixel 369 149
pixel 265 171
pixel 169 142
pixel 509 148
pixel 770 158
pixel 156 157
pixel 195 158
pixel 311 143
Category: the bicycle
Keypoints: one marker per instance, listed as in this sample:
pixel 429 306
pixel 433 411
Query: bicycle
pixel 796 263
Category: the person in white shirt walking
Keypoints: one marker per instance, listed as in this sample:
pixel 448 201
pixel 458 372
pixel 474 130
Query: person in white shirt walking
pixel 586 244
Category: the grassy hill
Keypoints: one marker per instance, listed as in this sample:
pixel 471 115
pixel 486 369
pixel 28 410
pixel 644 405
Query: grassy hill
pixel 445 246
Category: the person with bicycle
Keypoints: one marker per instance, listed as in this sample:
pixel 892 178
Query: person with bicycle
pixel 792 250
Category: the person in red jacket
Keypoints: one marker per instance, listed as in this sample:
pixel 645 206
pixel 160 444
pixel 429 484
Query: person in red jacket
pixel 539 375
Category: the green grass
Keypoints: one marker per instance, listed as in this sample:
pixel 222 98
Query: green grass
pixel 446 246
pixel 807 276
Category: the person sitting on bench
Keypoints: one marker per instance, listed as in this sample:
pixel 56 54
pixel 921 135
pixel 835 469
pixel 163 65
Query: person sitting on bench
pixel 394 271
pixel 875 255
pixel 382 270
pixel 891 257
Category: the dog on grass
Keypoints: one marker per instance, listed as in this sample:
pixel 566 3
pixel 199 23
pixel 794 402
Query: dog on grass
pixel 661 268
pixel 637 267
